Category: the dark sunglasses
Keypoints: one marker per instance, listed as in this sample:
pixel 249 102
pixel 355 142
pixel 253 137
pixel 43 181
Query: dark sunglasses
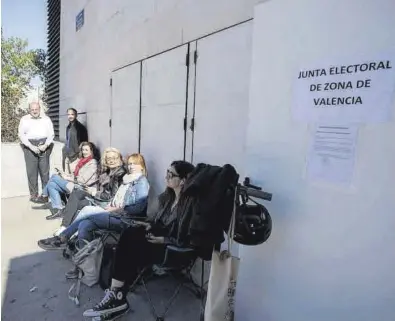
pixel 170 174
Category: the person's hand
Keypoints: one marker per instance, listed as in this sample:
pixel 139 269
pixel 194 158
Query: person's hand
pixel 59 172
pixel 42 148
pixel 155 239
pixel 146 225
pixel 35 149
pixel 91 190
pixel 67 177
pixel 112 208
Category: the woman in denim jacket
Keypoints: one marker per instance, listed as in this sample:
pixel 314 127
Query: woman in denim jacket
pixel 131 199
pixel 123 202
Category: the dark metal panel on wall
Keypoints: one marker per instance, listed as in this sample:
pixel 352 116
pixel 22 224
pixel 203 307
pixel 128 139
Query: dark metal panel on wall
pixel 53 45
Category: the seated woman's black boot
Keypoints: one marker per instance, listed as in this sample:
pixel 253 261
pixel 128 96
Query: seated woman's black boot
pixel 55 213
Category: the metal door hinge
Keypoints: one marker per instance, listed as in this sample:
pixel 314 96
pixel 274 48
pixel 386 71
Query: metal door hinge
pixel 110 122
pixel 195 57
pixel 110 81
pixel 192 127
pixel 187 59
pixel 185 124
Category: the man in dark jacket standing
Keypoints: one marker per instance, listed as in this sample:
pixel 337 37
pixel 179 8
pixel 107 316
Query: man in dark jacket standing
pixel 76 133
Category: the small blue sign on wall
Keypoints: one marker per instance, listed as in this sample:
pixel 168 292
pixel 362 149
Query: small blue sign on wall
pixel 79 20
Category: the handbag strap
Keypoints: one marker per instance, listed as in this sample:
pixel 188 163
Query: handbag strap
pixel 231 231
pixel 75 295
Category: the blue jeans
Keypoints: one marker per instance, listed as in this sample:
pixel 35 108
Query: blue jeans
pixel 55 187
pixel 87 226
pixel 89 211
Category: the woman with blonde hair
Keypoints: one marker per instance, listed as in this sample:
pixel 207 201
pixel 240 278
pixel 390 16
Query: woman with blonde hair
pixel 111 173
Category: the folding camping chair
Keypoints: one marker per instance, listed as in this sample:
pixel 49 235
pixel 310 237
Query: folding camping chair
pixel 178 263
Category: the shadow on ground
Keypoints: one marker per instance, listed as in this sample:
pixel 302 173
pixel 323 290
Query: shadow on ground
pixel 33 283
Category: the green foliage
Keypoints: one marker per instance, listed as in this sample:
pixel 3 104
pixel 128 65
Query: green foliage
pixel 40 61
pixel 18 66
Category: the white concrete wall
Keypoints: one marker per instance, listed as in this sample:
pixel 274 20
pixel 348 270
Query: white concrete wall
pixel 331 256
pixel 13 169
pixel 118 32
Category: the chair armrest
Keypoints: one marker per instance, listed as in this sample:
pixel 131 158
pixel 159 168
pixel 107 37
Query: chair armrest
pixel 179 249
pixel 178 257
pixel 107 234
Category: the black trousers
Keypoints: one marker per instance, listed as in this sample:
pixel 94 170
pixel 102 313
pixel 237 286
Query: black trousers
pixel 66 154
pixel 133 253
pixel 35 165
pixel 75 203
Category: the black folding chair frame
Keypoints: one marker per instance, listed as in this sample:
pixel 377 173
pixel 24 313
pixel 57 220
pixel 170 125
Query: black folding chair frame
pixel 181 274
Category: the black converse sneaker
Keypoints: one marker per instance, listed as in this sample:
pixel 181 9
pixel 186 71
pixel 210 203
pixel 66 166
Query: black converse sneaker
pixel 114 301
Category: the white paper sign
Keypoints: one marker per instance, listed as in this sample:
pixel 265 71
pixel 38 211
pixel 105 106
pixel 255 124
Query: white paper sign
pixel 353 91
pixel 332 154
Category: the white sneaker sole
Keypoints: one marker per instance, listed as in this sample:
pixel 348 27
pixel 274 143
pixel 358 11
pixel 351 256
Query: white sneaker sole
pixel 110 317
pixel 52 248
pixel 92 314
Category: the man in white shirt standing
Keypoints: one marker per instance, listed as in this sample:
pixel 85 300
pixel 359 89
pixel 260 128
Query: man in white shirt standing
pixel 36 134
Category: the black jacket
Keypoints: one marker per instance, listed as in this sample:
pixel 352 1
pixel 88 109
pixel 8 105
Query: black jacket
pixel 177 231
pixel 209 201
pixel 109 183
pixel 77 134
pixel 204 210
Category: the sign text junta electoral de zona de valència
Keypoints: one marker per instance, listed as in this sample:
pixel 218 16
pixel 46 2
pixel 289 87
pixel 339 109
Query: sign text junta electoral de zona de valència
pixel 358 92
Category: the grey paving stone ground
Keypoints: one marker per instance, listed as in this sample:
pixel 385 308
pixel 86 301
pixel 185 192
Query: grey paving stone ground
pixel 25 266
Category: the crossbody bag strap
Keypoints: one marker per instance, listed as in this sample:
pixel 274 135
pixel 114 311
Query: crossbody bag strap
pixel 231 230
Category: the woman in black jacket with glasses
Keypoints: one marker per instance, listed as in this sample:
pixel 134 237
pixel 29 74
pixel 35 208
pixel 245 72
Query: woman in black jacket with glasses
pixel 145 243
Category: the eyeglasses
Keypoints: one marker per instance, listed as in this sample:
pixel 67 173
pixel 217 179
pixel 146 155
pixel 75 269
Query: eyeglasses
pixel 171 175
pixel 111 159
